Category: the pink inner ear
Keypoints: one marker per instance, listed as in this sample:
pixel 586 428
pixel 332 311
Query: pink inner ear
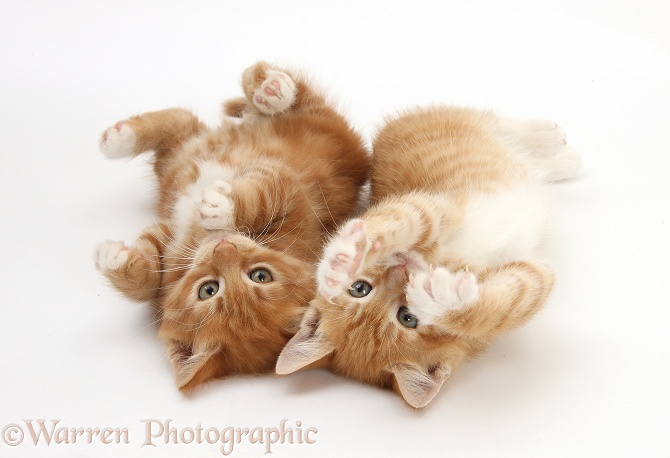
pixel 418 386
pixel 187 365
pixel 307 346
pixel 299 354
pixel 178 354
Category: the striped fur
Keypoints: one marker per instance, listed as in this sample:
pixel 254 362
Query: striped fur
pixel 450 245
pixel 250 196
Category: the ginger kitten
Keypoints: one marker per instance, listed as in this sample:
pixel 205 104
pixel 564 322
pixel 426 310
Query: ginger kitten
pixel 243 212
pixel 444 260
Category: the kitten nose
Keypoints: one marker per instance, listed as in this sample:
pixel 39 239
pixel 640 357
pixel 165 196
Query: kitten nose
pixel 224 247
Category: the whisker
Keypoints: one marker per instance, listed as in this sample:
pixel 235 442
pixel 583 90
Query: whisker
pixel 325 202
pixel 171 239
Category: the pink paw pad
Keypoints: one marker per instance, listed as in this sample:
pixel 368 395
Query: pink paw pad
pixel 274 90
pixel 275 94
pixel 117 126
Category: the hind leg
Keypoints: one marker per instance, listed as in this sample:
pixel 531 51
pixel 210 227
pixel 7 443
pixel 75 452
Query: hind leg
pixel 268 91
pixel 271 91
pixel 543 143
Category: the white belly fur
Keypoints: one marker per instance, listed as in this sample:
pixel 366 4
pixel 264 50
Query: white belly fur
pixel 499 228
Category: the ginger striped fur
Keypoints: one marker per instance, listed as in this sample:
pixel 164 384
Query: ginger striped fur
pixel 446 258
pixel 242 213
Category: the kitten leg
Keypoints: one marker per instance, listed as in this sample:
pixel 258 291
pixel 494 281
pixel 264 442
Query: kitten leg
pixel 266 191
pixel 160 131
pixel 502 299
pixel 135 270
pixel 395 226
pixel 342 259
pixel 417 221
pixel 543 143
pixel 256 199
pixel 272 91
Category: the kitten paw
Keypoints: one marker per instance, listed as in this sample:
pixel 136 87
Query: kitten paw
pixel 548 138
pixel 216 208
pixel 110 256
pixel 342 259
pixel 118 141
pixel 276 93
pixel 437 291
pixel 544 125
pixel 545 143
pixel 549 145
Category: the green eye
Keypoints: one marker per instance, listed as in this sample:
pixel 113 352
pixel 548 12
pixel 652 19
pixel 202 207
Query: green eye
pixel 260 276
pixel 406 318
pixel 208 290
pixel 360 289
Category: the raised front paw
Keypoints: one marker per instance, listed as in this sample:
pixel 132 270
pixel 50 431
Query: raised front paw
pixel 111 256
pixel 118 141
pixel 134 271
pixel 275 94
pixel 216 208
pixel 343 259
pixel 432 293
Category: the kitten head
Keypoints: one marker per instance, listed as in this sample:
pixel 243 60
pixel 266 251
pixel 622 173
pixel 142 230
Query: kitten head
pixel 371 334
pixel 232 309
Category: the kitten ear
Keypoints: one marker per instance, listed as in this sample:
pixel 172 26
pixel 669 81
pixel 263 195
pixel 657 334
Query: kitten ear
pixel 308 345
pixel 192 369
pixel 418 385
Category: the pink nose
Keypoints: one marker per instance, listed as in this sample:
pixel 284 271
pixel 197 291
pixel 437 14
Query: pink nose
pixel 224 246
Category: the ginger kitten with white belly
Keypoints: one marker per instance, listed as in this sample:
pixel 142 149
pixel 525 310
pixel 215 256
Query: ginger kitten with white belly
pixel 446 258
pixel 243 211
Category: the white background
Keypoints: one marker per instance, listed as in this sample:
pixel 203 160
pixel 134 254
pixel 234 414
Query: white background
pixel 587 377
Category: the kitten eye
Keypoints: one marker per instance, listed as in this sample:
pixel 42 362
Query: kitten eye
pixel 360 289
pixel 208 290
pixel 260 276
pixel 406 318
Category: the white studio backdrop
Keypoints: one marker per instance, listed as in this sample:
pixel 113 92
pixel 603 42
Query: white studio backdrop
pixel 586 377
